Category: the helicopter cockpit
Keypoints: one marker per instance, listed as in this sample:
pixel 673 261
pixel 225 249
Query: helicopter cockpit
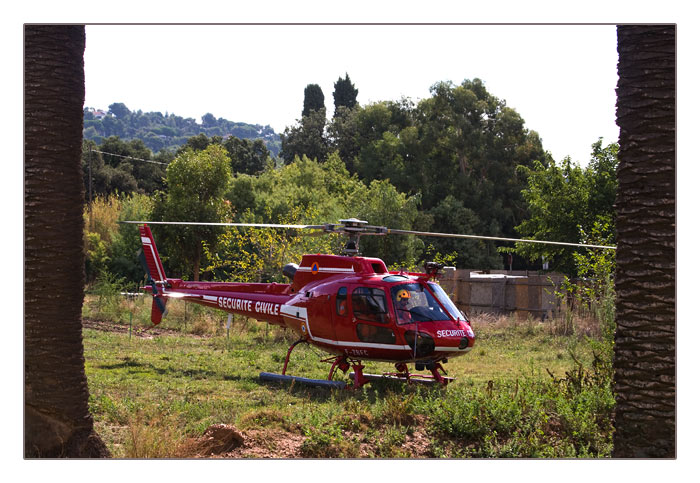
pixel 413 303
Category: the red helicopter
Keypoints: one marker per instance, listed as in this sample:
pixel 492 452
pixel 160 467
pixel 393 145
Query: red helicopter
pixel 347 305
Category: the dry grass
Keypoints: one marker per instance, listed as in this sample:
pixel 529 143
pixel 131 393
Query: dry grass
pixel 153 438
pixel 566 324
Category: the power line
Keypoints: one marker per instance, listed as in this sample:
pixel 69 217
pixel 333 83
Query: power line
pixel 129 157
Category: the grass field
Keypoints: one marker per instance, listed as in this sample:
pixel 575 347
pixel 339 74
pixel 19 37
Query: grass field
pixel 523 391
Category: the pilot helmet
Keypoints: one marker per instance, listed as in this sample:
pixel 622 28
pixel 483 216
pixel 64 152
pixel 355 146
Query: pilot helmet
pixel 403 295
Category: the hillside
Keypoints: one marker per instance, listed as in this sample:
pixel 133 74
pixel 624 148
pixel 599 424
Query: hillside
pixel 169 131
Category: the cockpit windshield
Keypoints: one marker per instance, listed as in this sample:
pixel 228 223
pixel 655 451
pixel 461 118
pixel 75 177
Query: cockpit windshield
pixel 446 302
pixel 413 303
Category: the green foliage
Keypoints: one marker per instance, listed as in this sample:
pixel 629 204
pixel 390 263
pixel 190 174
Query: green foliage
pixel 307 138
pixel 119 110
pixel 167 132
pixel 126 243
pixel 567 201
pixel 108 288
pixel 116 174
pixel 313 100
pixel 593 295
pixel 525 418
pixel 344 94
pixel 258 255
pixel 462 143
pixel 110 245
pixel 247 156
pixel 96 255
pixel 321 188
pixel 196 184
pixel 451 216
pixel 382 204
pixel 325 192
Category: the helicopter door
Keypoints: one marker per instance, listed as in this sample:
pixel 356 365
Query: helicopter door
pixel 371 317
pixel 342 316
pixel 361 317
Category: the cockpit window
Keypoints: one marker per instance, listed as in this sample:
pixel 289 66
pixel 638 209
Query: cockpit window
pixel 413 303
pixel 445 301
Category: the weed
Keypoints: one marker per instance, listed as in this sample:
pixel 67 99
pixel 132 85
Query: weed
pixel 391 441
pixel 152 438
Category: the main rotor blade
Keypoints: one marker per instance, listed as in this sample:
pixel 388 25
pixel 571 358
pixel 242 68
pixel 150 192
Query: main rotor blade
pixel 254 225
pixel 453 235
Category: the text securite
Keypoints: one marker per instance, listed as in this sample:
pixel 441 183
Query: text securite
pixel 248 305
pixel 451 333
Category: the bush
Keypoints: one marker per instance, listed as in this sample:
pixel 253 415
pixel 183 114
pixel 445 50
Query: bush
pixel 527 418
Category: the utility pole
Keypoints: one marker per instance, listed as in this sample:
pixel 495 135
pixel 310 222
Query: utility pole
pixel 90 187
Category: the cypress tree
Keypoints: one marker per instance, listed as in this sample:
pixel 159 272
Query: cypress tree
pixel 344 94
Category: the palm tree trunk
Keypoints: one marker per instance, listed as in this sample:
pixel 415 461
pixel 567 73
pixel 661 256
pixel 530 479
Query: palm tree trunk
pixel 57 422
pixel 645 342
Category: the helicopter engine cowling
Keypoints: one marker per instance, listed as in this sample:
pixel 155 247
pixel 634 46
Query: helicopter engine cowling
pixel 289 270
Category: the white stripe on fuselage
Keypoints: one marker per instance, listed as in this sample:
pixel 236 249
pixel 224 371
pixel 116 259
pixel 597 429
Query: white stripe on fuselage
pixel 299 313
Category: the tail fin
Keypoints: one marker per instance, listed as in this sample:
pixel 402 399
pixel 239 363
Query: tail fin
pixel 150 252
pixel 155 272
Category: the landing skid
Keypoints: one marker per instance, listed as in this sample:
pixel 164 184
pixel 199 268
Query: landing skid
pixel 337 362
pixel 419 378
pixel 272 377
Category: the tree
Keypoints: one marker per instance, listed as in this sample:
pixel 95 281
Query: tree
pixel 57 421
pixel 208 120
pixel 314 193
pixel 247 156
pixel 382 204
pixel 452 217
pixel 196 183
pixel 645 342
pixel 119 110
pixel 313 99
pixel 342 135
pixel 308 138
pixel 565 202
pixel 118 173
pixel 344 94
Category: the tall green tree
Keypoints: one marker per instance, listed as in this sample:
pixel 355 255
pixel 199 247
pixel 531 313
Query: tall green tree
pixel 196 183
pixel 307 138
pixel 314 99
pixel 344 94
pixel 247 156
pixel 645 280
pixel 451 216
pixel 118 172
pixel 342 135
pixel 119 110
pixel 566 203
pixel 330 193
pixel 57 420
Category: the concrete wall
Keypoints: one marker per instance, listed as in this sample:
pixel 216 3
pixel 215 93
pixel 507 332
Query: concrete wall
pixel 502 292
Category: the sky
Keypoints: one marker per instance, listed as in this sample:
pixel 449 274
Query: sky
pixel 560 78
